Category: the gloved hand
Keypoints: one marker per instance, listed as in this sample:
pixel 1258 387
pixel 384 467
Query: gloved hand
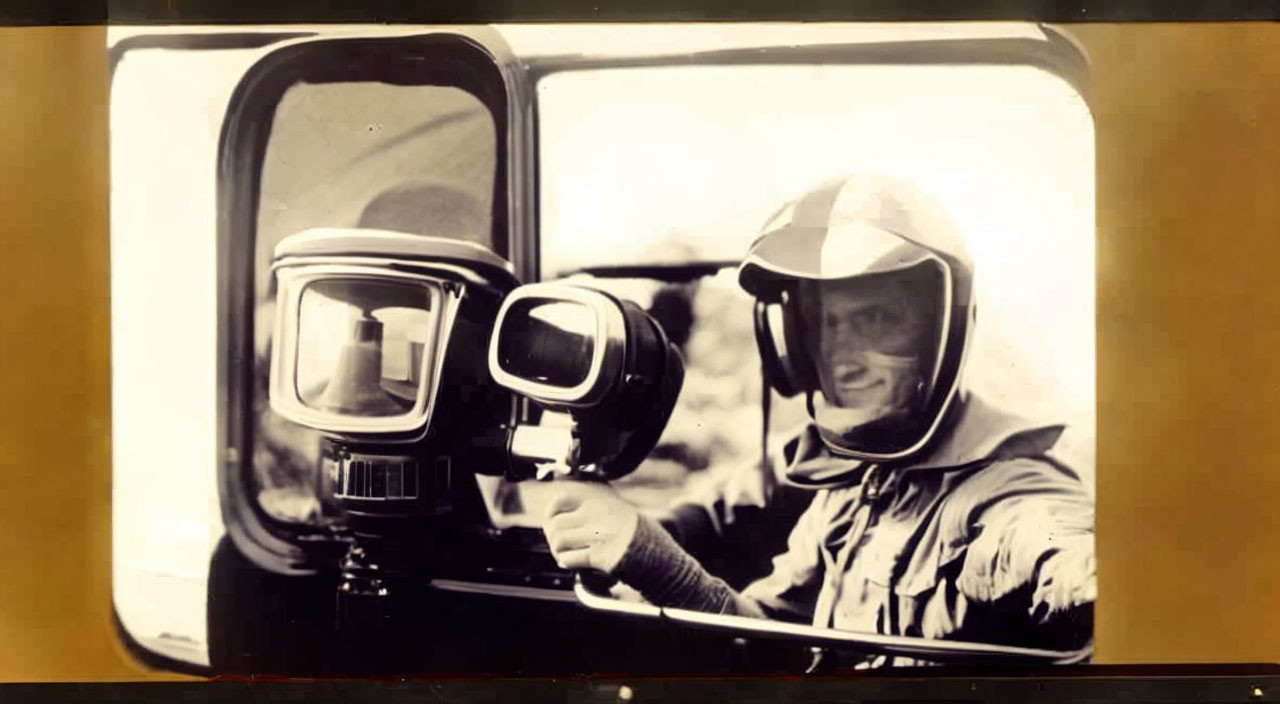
pixel 589 526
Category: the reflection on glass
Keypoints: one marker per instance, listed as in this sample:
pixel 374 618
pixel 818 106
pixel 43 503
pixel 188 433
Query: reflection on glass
pixel 420 159
pixel 548 342
pixel 360 346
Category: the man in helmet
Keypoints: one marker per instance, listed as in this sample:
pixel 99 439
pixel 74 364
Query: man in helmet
pixel 933 514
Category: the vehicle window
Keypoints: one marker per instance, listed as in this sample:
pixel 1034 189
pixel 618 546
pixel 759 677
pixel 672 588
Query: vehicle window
pixel 684 164
pixel 417 159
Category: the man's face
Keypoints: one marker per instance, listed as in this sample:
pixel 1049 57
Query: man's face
pixel 871 339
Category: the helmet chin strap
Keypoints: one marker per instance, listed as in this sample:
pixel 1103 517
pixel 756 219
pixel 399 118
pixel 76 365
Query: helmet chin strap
pixel 766 405
pixel 841 467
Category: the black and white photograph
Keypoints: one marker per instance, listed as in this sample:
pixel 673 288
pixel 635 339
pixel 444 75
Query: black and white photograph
pixel 602 349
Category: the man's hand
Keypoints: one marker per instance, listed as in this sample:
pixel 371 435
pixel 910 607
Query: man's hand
pixel 589 526
pixel 1067 579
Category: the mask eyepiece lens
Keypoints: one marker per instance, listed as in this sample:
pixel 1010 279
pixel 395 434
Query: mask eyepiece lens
pixel 548 341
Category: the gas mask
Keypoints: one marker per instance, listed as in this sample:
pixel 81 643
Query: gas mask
pixel 422 362
pixel 376 338
pixel 600 370
pixel 374 331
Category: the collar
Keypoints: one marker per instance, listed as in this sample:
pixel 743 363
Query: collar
pixel 979 433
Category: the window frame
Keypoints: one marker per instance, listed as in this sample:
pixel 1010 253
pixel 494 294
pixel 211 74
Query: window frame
pixel 115 55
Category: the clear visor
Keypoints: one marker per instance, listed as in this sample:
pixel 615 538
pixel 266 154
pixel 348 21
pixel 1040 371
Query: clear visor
pixel 875 343
pixel 361 346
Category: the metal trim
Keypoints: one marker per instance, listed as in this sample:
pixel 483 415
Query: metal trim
pixel 504 590
pixel 285 396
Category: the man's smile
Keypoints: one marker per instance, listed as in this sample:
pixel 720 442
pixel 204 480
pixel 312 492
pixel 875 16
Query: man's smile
pixel 856 378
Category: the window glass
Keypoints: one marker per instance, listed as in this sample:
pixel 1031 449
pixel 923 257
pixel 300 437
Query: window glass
pixel 685 164
pixel 416 159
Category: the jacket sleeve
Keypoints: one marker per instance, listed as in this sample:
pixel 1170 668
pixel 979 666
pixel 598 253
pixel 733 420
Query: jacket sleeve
pixel 666 575
pixel 1030 525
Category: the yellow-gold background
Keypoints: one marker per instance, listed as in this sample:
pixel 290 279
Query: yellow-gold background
pixel 1188 149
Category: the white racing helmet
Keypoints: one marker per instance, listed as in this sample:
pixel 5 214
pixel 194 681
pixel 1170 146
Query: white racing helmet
pixel 863 231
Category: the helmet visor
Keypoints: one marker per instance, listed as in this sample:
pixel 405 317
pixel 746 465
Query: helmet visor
pixel 875 343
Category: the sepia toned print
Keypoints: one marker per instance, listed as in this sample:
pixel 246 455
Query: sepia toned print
pixel 751 348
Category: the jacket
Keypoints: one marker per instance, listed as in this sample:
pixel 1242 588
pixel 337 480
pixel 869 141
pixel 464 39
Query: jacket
pixel 981 539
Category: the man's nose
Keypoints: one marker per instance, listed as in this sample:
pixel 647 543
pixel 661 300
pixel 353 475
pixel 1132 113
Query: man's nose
pixel 849 361
pixel 851 347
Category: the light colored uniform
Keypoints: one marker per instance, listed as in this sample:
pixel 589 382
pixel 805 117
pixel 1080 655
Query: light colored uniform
pixel 908 550
pixel 952 545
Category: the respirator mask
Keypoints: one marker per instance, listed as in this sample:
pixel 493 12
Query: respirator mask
pixel 375 332
pixel 423 362
pixel 600 371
